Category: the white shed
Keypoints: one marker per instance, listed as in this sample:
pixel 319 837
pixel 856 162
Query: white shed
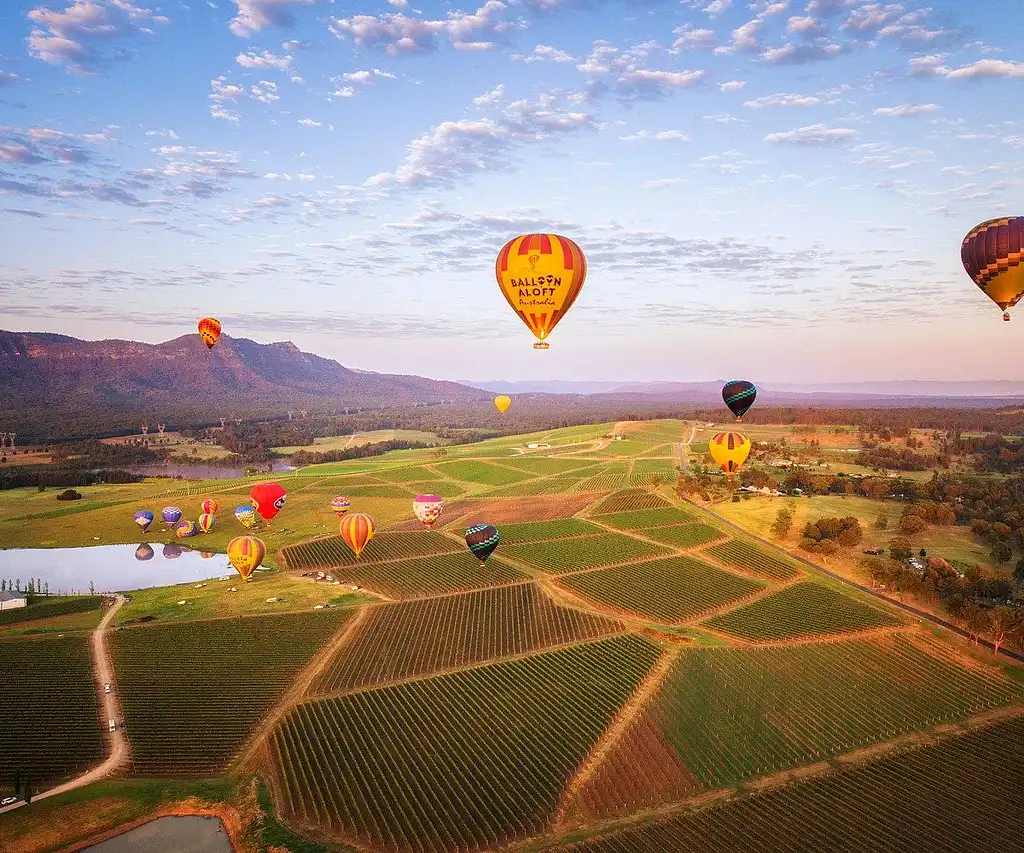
pixel 10 600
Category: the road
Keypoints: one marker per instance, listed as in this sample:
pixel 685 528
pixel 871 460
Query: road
pixel 103 672
pixel 920 614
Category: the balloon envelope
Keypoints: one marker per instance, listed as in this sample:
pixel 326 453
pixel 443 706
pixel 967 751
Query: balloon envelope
pixel 170 514
pixel 172 551
pixel 206 522
pixel 144 552
pixel 184 529
pixel 739 396
pixel 246 553
pixel 209 331
pixel 992 253
pixel 501 403
pixel 246 516
pixel 427 508
pixel 482 539
pixel 144 518
pixel 267 499
pixel 210 506
pixel 340 505
pixel 357 530
pixel 730 451
pixel 540 275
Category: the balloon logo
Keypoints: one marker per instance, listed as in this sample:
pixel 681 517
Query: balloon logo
pixel 357 530
pixel 246 553
pixel 184 529
pixel 209 331
pixel 501 403
pixel 170 514
pixel 144 518
pixel 482 539
pixel 427 508
pixel 246 516
pixel 144 552
pixel 210 506
pixel 206 522
pixel 730 451
pixel 267 499
pixel 540 275
pixel 340 505
pixel 992 254
pixel 739 396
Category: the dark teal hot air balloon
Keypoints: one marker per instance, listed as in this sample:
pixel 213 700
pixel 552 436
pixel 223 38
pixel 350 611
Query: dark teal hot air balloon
pixel 482 539
pixel 739 396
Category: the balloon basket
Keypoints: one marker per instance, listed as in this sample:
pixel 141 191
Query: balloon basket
pixel 1006 316
pixel 542 345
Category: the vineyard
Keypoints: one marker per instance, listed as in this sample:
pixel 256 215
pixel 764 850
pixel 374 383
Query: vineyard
pixel 733 714
pixel 48 712
pixel 192 693
pixel 543 466
pixel 332 552
pixel 539 531
pixel 752 559
pixel 647 471
pixel 612 477
pixel 801 610
pixel 632 499
pixel 420 637
pixel 458 761
pixel 677 589
pixel 570 555
pixel 471 471
pixel 685 535
pixel 961 795
pixel 48 608
pixel 642 519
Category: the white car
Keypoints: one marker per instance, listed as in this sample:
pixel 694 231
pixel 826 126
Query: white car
pixel 6 801
pixel 106 688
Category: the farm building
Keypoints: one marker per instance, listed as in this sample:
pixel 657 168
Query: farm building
pixel 538 446
pixel 10 600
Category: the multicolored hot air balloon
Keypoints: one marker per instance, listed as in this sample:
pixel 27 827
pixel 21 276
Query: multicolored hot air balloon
pixel 267 499
pixel 357 530
pixel 739 396
pixel 246 516
pixel 992 253
pixel 184 529
pixel 209 331
pixel 730 451
pixel 540 275
pixel 206 522
pixel 144 518
pixel 210 506
pixel 170 514
pixel 144 552
pixel 427 508
pixel 482 539
pixel 340 505
pixel 246 553
pixel 172 551
pixel 501 403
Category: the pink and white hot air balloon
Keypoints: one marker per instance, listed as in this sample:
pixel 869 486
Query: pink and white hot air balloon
pixel 427 508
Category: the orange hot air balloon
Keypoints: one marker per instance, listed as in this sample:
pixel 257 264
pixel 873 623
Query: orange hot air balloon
pixel 541 275
pixel 246 553
pixel 209 331
pixel 357 530
pixel 993 255
pixel 210 506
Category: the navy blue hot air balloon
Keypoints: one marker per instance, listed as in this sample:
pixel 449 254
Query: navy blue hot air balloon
pixel 739 396
pixel 482 539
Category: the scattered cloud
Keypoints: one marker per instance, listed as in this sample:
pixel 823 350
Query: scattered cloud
pixel 8 77
pixel 263 60
pixel 254 15
pixel 544 53
pixel 987 68
pixel 625 73
pixel 731 85
pixel 782 99
pixel 658 136
pixel 347 85
pixel 812 135
pixel 663 183
pixel 905 110
pixel 690 38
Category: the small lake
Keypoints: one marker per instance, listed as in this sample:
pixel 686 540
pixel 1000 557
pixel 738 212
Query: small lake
pixel 204 471
pixel 191 834
pixel 112 568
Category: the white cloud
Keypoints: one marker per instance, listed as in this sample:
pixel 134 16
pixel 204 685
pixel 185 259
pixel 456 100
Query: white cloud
pixel 805 25
pixel 166 134
pixel 625 73
pixel 221 95
pixel 254 15
pixel 987 68
pixel 906 110
pixel 308 122
pixel 812 134
pixel 782 99
pixel 658 136
pixel 7 77
pixel 691 38
pixel 266 59
pixel 732 85
pixel 798 54
pixel 545 53
pixel 663 183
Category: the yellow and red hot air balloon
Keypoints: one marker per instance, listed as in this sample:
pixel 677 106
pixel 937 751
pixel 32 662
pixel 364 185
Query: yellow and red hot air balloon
pixel 993 255
pixel 730 451
pixel 541 275
pixel 206 522
pixel 210 506
pixel 501 403
pixel 357 530
pixel 209 331
pixel 246 553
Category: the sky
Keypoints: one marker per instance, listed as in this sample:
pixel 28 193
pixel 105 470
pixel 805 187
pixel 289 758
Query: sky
pixel 772 190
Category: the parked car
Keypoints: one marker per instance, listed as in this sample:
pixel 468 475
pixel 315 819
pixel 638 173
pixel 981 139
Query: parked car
pixel 113 726
pixel 106 688
pixel 6 801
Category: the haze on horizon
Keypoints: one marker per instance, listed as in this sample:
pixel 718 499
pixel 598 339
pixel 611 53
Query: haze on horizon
pixel 773 189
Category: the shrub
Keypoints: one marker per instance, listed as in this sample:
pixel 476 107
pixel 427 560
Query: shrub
pixel 69 495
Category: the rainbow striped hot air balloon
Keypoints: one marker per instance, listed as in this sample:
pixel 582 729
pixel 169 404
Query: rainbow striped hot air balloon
pixel 185 529
pixel 170 514
pixel 357 530
pixel 144 518
pixel 482 539
pixel 246 516
pixel 246 553
pixel 729 450
pixel 340 505
pixel 427 508
pixel 206 522
pixel 210 506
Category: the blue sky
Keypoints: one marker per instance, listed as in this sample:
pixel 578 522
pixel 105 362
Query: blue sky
pixel 774 189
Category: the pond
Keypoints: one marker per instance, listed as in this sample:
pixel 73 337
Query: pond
pixel 204 471
pixel 191 834
pixel 112 568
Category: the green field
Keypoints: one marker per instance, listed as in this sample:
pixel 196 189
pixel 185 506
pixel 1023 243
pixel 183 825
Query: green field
pixel 344 442
pixel 47 608
pixel 630 500
pixel 642 519
pixel 685 535
pixel 539 531
pixel 753 559
pixel 481 472
pixel 333 552
pixel 571 555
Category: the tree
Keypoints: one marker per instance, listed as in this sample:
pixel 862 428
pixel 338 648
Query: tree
pixel 1005 625
pixel 1001 552
pixel 1018 571
pixel 92 588
pixel 912 524
pixel 783 521
pixel 899 548
pixel 882 521
pixel 975 620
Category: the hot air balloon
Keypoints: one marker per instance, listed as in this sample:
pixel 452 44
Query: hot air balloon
pixel 206 555
pixel 184 529
pixel 210 506
pixel 172 551
pixel 427 508
pixel 246 516
pixel 209 331
pixel 170 514
pixel 357 530
pixel 144 552
pixel 482 539
pixel 501 403
pixel 992 253
pixel 540 275
pixel 739 396
pixel 144 518
pixel 340 505
pixel 206 522
pixel 246 553
pixel 267 499
pixel 730 451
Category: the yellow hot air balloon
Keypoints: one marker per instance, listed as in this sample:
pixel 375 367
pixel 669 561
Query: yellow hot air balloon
pixel 501 403
pixel 541 275
pixel 730 451
pixel 246 553
pixel 993 255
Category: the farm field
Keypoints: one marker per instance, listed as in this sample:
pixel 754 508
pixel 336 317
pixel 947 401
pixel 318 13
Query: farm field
pixel 685 535
pixel 420 637
pixel 630 500
pixel 642 519
pixel 558 556
pixel 344 442
pixel 332 552
pixel 539 531
pixel 754 559
pixel 192 693
pixel 470 759
pixel 50 607
pixel 48 711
